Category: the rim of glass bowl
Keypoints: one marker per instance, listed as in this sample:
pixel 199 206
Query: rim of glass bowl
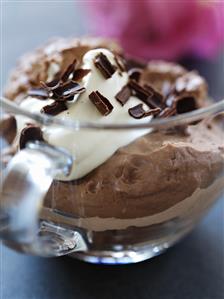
pixel 161 123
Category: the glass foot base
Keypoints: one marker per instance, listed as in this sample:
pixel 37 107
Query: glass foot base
pixel 130 253
pixel 122 257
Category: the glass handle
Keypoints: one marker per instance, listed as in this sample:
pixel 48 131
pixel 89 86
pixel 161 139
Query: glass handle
pixel 24 185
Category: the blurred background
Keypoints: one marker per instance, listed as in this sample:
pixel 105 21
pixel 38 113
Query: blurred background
pixel 188 31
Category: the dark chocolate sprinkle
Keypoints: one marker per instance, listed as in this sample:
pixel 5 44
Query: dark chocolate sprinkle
pixel 139 112
pixel 123 95
pixel 40 93
pixel 54 109
pixel 105 67
pixel 70 69
pixel 30 133
pixel 102 104
pixel 79 74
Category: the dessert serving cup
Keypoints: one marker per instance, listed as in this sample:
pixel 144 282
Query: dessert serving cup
pixel 145 206
pixel 108 186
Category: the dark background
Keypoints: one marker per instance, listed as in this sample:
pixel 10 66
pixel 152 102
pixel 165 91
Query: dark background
pixel 193 269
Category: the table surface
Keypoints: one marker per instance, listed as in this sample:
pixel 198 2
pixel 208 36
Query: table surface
pixel 193 269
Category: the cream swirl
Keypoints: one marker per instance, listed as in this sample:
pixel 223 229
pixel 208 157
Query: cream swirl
pixel 90 148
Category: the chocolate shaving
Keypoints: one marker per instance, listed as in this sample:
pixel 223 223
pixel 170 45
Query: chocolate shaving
pixel 104 66
pixel 139 112
pixel 61 89
pixel 70 69
pixel 39 93
pixel 169 111
pixel 54 109
pixel 185 104
pixel 123 95
pixel 102 104
pixel 139 91
pixel 30 133
pixel 157 99
pixel 51 85
pixel 143 94
pixel 79 74
pixel 154 111
pixel 68 89
pixel 134 74
pixel 69 98
pixel 148 95
pixel 120 63
pixel 152 90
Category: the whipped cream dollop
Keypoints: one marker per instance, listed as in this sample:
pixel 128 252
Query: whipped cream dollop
pixel 90 148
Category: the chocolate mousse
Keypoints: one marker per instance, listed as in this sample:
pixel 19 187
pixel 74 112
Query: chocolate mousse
pixel 121 179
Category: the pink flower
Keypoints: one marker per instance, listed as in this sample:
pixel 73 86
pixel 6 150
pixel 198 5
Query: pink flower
pixel 161 28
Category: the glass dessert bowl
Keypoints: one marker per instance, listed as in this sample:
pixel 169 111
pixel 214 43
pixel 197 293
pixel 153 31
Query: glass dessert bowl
pixel 110 160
